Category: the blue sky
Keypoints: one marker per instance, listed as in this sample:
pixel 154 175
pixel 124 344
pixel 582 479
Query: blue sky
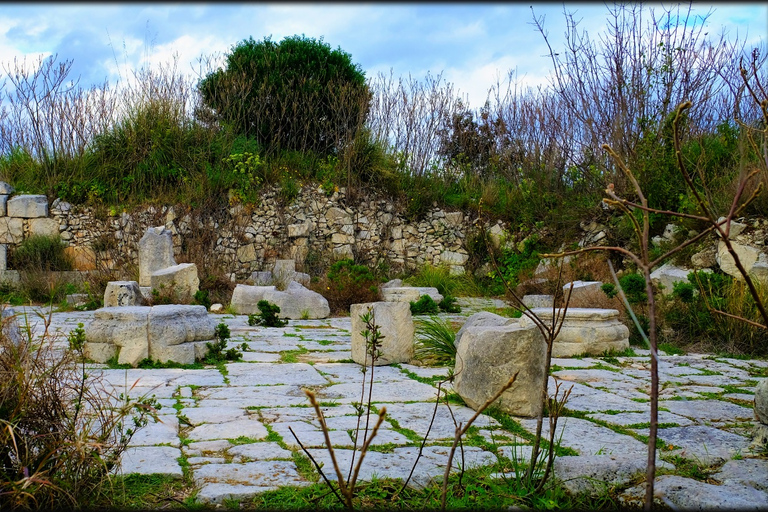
pixel 470 44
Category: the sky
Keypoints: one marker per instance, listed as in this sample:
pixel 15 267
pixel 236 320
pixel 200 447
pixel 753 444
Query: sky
pixel 471 44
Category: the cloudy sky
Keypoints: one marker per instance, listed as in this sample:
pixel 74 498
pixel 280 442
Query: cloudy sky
pixel 470 44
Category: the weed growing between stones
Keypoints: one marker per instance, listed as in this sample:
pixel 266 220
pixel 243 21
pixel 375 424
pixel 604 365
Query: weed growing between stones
pixel 218 351
pixel 436 341
pixel 61 433
pixel 268 315
pixel 424 306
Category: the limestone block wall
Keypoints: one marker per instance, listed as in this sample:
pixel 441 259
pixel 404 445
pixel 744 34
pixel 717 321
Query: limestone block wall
pixel 313 227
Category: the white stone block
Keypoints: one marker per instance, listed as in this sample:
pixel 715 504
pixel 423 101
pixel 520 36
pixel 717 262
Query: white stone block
pixel 585 331
pixel 123 293
pixel 395 324
pixel 489 356
pixel 180 281
pixel 28 206
pixel 155 253
pixel 44 227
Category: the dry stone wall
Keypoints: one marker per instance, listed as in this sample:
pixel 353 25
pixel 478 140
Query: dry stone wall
pixel 313 228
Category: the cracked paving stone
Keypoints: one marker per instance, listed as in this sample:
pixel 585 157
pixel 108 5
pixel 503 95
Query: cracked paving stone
pixel 706 445
pixel 246 427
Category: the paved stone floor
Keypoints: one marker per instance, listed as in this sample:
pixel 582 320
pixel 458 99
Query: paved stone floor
pixel 234 427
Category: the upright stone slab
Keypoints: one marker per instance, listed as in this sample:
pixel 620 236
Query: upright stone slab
pixel 667 275
pixel 585 331
pixel 43 227
pixel 539 301
pixel 28 206
pixel 123 293
pixel 3 257
pixel 395 324
pixel 180 281
pixel 488 357
pixel 155 253
pixel 10 326
pixel 582 290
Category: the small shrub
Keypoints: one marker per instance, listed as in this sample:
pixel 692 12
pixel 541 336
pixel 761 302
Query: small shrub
pixel 202 298
pixel 347 284
pixel 39 252
pixel 218 351
pixel 448 305
pixel 268 315
pixel 61 433
pixel 424 306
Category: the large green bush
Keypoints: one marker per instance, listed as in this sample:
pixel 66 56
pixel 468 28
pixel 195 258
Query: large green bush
pixel 297 94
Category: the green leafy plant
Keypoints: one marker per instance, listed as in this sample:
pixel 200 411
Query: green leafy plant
pixel 297 94
pixel 218 351
pixel 426 305
pixel 202 298
pixel 268 315
pixel 436 341
pixel 448 304
pixel 347 283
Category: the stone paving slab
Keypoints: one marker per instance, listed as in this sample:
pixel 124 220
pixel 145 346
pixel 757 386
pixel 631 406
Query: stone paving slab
pixel 204 409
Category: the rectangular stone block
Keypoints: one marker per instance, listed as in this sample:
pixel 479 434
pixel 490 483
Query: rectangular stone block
pixel 3 205
pixel 3 256
pixel 100 352
pixel 28 206
pixel 395 324
pixel 43 226
pixel 11 230
pixel 183 354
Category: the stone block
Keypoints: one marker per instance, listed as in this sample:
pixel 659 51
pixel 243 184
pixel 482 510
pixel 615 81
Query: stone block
pixel 155 253
pixel 395 324
pixel 3 204
pixel 44 227
pixel 180 281
pixel 262 278
pixel 453 258
pixel 164 333
pixel 761 402
pixel 123 293
pixel 488 356
pixel 298 230
pixel 588 331
pixel 245 298
pixel 747 257
pixel 247 253
pixel 539 301
pixel 3 257
pixel 10 325
pixel 409 293
pixel 582 290
pixel 6 189
pixel 27 206
pixel 298 302
pixel 667 275
pixel 483 319
pixel 735 228
pixel 11 230
pixel 174 324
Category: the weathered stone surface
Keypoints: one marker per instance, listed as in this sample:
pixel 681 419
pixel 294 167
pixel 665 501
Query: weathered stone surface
pixel 759 270
pixel 123 293
pixel 688 494
pixel 43 226
pixel 164 333
pixel 705 445
pixel 3 257
pixel 243 481
pixel 582 290
pixel 488 357
pixel 667 275
pixel 217 308
pixel 151 460
pixel 27 206
pixel 395 324
pixel 705 259
pixel 245 298
pixel 155 253
pixel 585 331
pixel 10 325
pixel 409 293
pixel 297 230
pixel 761 402
pixel 6 189
pixel 11 230
pixel 180 281
pixel 751 472
pixel 747 257
pixel 734 230
pixel 298 302
pixel 262 278
pixel 538 301
pixel 596 473
pixel 483 319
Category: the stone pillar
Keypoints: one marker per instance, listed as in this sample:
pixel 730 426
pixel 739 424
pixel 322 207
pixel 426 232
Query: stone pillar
pixel 155 253
pixel 395 324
